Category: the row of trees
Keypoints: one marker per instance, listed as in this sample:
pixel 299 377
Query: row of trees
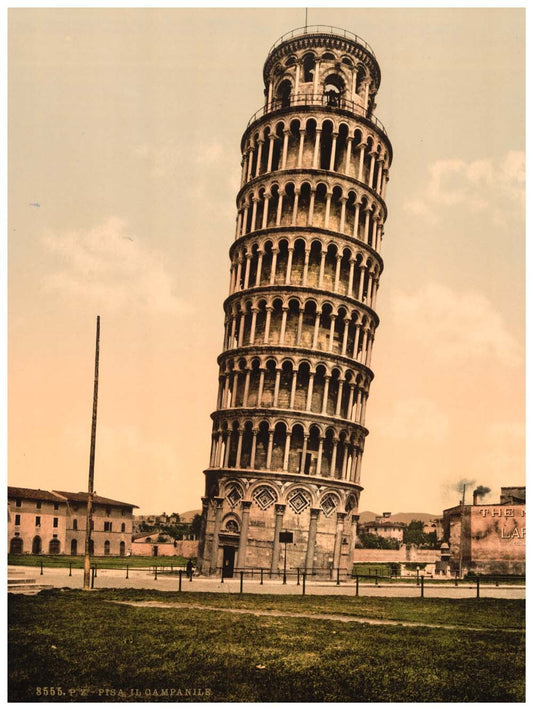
pixel 176 530
pixel 413 534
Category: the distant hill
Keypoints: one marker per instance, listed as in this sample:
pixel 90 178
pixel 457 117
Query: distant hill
pixel 189 515
pixel 367 516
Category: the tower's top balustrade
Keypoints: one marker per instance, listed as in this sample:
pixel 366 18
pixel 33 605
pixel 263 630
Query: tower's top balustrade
pixel 321 30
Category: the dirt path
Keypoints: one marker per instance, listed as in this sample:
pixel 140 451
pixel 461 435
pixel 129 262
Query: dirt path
pixel 299 615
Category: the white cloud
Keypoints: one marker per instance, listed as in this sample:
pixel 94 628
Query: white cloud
pixel 415 419
pixel 110 265
pixel 455 326
pixel 480 185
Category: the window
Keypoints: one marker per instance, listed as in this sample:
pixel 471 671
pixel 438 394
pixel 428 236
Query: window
pixel 123 527
pixel 75 524
pixel 56 506
pixel 17 519
pixel 38 504
pixel 56 522
pixel 123 512
pixel 108 526
pixel 18 503
pixel 37 521
pixel 107 547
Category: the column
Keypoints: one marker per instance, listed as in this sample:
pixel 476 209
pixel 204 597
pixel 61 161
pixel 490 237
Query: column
pixel 269 310
pixel 306 266
pixel 289 266
pixel 310 214
pixel 311 540
pixel 271 139
pixel 250 161
pixel 266 202
pixel 255 311
pixel 332 333
pixel 350 277
pixel 254 446
pixel 276 387
pixel 361 147
pixel 363 346
pixel 369 352
pixel 259 267
pixel 247 270
pixel 273 265
pixel 243 539
pixel 295 206
pixel 269 450
pixel 325 396
pixel 345 336
pixel 300 326
pixel 241 330
pixel 339 398
pixel 284 310
pixel 310 392
pixel 315 78
pixel 380 173
pixel 371 171
pixel 356 220
pixel 358 405
pixel 354 464
pixel 214 542
pixel 261 385
pixel 358 466
pixel 348 155
pixel 234 388
pixel 328 209
pixel 281 194
pixel 356 341
pixel 334 136
pixel 367 221
pixel 239 450
pixel 259 152
pixel 333 458
pixel 280 510
pixel 297 79
pixel 353 537
pixel 322 265
pixel 343 213
pixel 319 455
pixel 361 282
pixel 246 389
pixel 301 148
pixel 317 148
pixel 304 453
pixel 338 541
pixel 350 402
pixel 239 271
pixel 293 388
pixel 345 458
pixel 287 451
pixel 337 273
pixel 201 545
pixel 315 332
pixel 286 133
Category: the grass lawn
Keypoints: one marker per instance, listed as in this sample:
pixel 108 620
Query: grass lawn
pixel 107 561
pixel 93 649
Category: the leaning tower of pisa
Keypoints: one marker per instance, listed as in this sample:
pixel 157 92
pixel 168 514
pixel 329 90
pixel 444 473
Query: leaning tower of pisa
pixel 289 427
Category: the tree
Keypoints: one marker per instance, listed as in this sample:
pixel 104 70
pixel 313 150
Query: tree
pixel 414 534
pixel 196 525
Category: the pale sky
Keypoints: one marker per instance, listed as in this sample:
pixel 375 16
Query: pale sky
pixel 124 163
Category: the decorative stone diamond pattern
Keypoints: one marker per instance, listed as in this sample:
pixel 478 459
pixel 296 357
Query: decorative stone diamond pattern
pixel 264 497
pixel 299 501
pixel 234 496
pixel 328 505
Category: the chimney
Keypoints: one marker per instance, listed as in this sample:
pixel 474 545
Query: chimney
pixel 386 515
pixel 475 497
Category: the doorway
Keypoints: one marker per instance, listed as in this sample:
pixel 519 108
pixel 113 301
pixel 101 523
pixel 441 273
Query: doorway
pixel 228 562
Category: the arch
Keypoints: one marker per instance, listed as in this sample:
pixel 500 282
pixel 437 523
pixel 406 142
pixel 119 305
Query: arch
pixel 74 547
pixel 54 546
pixel 122 548
pixel 333 89
pixel 16 546
pixel 283 93
pixel 36 545
pixel 107 547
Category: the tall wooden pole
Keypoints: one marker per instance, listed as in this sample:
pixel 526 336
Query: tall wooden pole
pixel 90 489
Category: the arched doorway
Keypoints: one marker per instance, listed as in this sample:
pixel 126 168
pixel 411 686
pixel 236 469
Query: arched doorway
pixel 107 547
pixel 54 546
pixel 122 548
pixel 73 547
pixel 36 546
pixel 16 545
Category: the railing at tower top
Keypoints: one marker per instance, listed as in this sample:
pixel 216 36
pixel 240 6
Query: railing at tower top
pixel 322 30
pixel 327 100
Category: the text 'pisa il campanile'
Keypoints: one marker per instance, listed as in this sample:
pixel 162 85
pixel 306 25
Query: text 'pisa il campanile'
pixel 289 427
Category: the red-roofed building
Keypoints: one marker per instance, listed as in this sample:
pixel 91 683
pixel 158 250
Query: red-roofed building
pixel 54 522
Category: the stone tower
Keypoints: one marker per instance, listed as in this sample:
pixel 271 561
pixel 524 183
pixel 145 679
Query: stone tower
pixel 289 426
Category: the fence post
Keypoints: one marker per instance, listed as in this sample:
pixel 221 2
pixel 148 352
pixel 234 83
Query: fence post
pixel 338 576
pixel 41 566
pixel 222 575
pixel 303 583
pixel 96 570
pixel 456 578
pixel 477 588
pixel 155 571
pixel 261 576
pixel 93 575
pixel 70 569
pixel 356 585
pixel 127 571
pixel 376 578
pixel 298 577
pixel 180 572
pixel 422 586
pixel 242 575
